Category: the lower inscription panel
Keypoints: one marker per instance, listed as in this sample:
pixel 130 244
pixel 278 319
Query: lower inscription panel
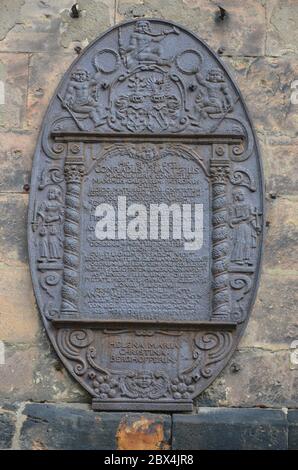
pixel 134 366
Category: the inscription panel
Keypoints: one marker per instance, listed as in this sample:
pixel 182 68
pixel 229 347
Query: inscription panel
pixel 150 274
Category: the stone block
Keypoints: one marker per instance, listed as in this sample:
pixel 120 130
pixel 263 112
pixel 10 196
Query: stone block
pixel 45 72
pixel 13 89
pixel 280 248
pixel 33 373
pixel 19 319
pixel 49 426
pixel 95 17
pixel 16 154
pixel 282 35
pixel 254 377
pixel 266 86
pixel 230 429
pixel 7 429
pixel 293 429
pixel 13 216
pixel 276 305
pixel 280 164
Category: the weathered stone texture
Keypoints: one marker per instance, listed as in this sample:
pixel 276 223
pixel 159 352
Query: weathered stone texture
pixel 280 164
pixel 14 75
pixel 281 244
pixel 42 426
pixel 16 154
pixel 77 427
pixel 266 86
pixel 282 19
pixel 46 26
pixel 276 304
pixel 293 429
pixel 95 17
pixel 13 217
pixel 10 14
pixel 19 321
pixel 236 34
pixel 45 72
pixel 32 373
pixel 254 377
pixel 231 429
pixel 7 429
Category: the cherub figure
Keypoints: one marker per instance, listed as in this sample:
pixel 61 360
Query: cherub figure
pixel 216 97
pixel 79 97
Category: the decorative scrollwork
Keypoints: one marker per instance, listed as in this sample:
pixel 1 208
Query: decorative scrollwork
pixel 49 280
pixel 243 178
pixel 241 283
pixel 217 346
pixel 70 343
pixel 51 175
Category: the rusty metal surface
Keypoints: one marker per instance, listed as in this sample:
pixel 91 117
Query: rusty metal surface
pixel 149 114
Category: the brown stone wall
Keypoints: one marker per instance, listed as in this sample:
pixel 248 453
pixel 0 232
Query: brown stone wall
pixel 258 40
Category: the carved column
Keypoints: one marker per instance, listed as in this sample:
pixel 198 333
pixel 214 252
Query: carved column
pixel 74 172
pixel 219 170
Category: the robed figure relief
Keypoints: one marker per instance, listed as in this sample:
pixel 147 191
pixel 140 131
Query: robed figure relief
pixel 246 228
pixel 49 220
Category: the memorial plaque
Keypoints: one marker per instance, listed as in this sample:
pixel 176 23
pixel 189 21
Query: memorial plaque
pixel 146 218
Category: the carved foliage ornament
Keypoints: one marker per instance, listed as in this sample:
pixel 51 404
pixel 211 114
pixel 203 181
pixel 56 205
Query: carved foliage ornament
pixel 147 118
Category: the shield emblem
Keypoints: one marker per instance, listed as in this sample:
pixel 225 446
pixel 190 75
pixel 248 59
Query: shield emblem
pixel 146 218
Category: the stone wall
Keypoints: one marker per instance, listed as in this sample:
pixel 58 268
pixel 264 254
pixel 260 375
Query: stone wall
pixel 258 40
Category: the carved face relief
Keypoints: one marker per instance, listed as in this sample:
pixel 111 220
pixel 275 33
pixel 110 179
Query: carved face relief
pixel 146 218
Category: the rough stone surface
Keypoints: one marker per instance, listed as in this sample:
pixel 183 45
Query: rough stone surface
pixel 268 309
pixel 19 321
pixel 258 41
pixel 77 427
pixel 16 154
pixel 282 18
pixel 250 379
pixel 10 15
pixel 237 33
pixel 95 16
pixel 293 429
pixel 265 83
pixel 231 429
pixel 14 76
pixel 7 429
pixel 13 219
pixel 45 72
pixel 45 426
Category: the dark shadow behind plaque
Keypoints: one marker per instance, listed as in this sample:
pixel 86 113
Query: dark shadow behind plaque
pixel 147 115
